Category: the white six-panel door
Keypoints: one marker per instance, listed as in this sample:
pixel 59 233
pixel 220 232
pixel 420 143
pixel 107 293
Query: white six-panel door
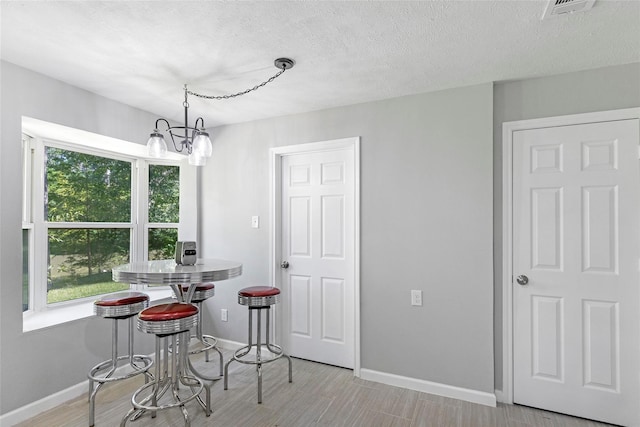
pixel 576 333
pixel 318 244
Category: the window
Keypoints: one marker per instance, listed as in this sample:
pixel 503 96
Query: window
pixel 164 200
pixel 92 209
pixel 87 212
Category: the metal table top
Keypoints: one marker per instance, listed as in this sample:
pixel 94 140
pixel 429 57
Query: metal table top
pixel 167 272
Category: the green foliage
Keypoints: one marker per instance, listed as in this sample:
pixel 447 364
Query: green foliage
pixel 85 188
pixel 164 202
pixel 162 243
pixel 82 187
pixel 164 193
pixel 84 291
pixel 93 250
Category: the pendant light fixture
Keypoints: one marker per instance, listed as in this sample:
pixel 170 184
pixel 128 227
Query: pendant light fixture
pixel 194 140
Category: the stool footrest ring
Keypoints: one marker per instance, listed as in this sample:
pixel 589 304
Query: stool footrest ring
pixel 95 373
pixel 207 343
pixel 274 349
pixel 158 390
pixel 141 404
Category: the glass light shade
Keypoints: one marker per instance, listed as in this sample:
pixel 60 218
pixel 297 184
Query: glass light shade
pixel 156 145
pixel 202 144
pixel 197 159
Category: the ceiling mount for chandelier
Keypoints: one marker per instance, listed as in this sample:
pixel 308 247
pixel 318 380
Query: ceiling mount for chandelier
pixel 195 139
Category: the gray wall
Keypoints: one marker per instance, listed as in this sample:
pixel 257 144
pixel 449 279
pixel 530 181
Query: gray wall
pixel 426 223
pixel 27 359
pixel 610 88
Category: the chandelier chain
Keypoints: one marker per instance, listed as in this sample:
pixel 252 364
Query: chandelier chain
pixel 244 92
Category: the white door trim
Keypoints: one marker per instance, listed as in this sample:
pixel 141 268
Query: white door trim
pixel 275 201
pixel 508 128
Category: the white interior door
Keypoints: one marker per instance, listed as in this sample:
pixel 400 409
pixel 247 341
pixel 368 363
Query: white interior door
pixel 318 240
pixel 576 331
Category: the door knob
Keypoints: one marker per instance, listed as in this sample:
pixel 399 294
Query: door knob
pixel 522 280
pixel 284 264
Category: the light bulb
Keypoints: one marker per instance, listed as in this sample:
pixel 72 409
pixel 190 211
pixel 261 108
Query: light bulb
pixel 156 146
pixel 202 144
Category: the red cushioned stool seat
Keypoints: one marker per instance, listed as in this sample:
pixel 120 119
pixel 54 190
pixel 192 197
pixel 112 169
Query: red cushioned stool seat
pixel 259 296
pixel 122 298
pixel 122 304
pixel 168 318
pixel 202 291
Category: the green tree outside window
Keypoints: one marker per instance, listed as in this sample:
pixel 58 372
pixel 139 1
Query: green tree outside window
pixel 164 207
pixel 85 188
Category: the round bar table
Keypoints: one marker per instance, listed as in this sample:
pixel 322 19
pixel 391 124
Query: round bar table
pixel 167 272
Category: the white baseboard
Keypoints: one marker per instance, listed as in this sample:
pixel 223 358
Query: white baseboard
pixel 34 408
pixel 39 406
pixel 474 396
pixel 499 396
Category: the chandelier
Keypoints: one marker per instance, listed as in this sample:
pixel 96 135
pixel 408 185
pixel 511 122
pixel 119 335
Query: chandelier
pixel 194 140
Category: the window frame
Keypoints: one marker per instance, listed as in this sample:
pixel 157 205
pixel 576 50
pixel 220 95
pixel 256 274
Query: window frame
pixel 33 217
pixel 143 211
pixel 27 214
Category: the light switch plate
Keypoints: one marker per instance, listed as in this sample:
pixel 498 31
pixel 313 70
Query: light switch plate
pixel 255 221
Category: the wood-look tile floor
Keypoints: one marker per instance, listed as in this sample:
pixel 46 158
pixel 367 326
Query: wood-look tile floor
pixel 320 395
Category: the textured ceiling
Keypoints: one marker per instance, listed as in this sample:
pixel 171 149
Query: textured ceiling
pixel 142 52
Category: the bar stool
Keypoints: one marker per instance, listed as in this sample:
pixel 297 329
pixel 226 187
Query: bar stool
pixel 202 292
pixel 258 298
pixel 123 305
pixel 167 321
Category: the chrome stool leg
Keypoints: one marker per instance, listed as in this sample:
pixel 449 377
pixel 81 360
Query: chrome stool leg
pixel 199 293
pixel 277 349
pixel 209 341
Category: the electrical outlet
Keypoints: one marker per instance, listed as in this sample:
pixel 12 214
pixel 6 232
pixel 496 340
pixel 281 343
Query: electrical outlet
pixel 223 314
pixel 416 297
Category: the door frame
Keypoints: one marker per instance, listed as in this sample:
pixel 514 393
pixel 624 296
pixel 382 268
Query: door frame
pixel 275 231
pixel 508 128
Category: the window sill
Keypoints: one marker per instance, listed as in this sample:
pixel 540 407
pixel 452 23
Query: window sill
pixel 32 321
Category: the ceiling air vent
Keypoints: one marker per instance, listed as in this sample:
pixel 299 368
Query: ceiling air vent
pixel 560 7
